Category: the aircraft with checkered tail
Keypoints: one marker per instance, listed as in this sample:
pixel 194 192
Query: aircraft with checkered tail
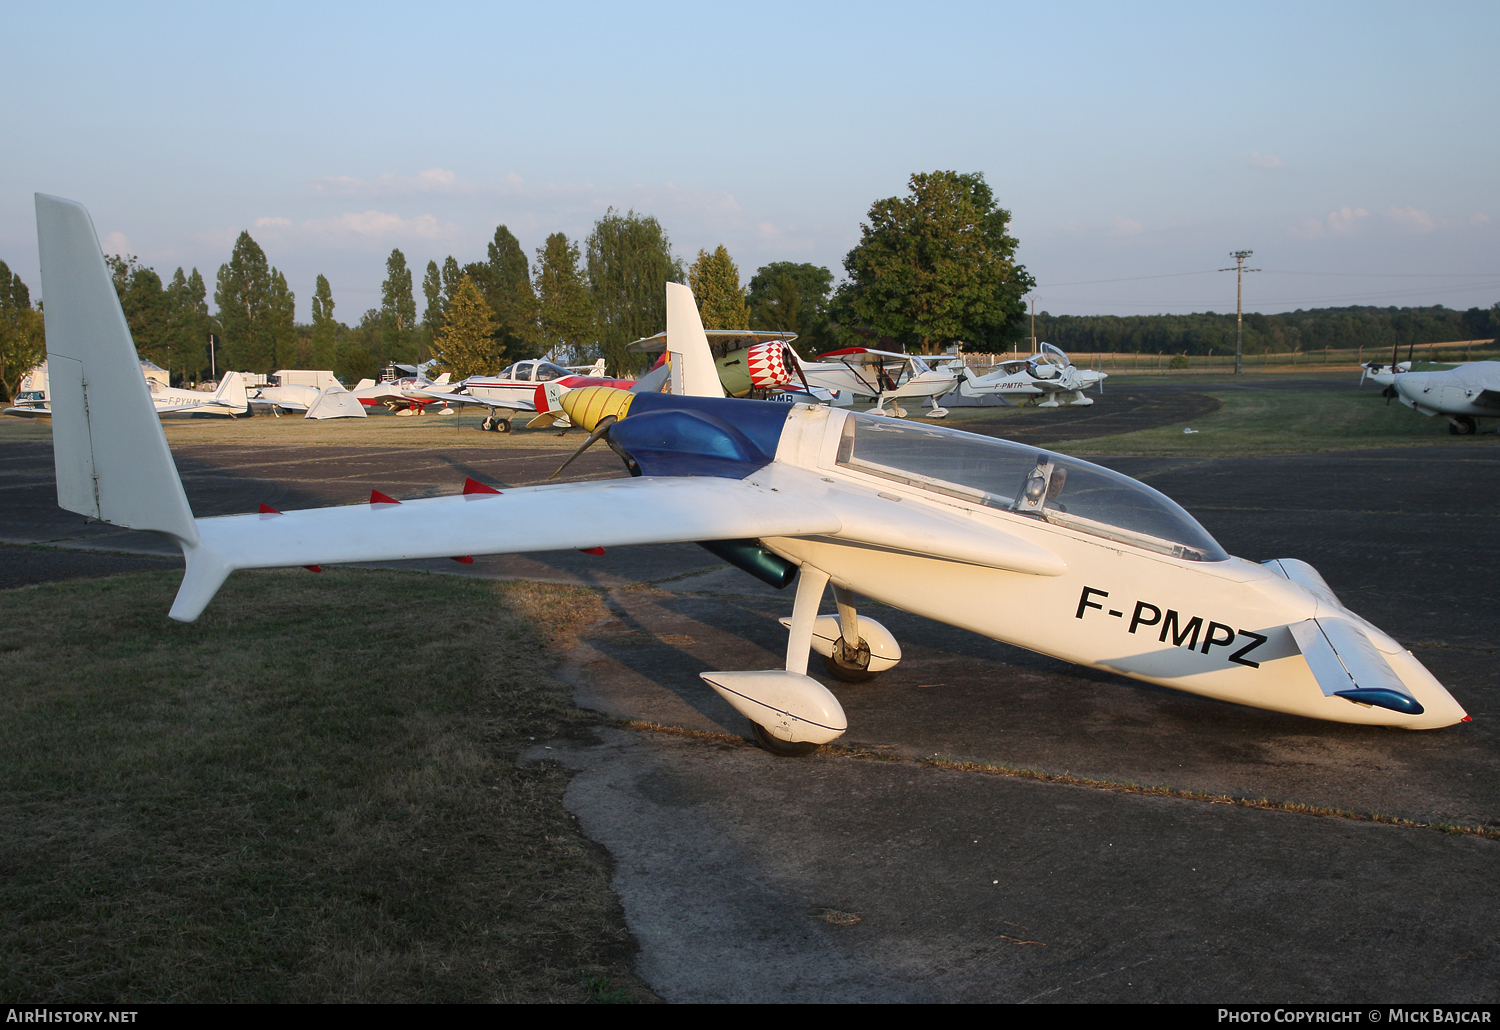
pixel 1023 545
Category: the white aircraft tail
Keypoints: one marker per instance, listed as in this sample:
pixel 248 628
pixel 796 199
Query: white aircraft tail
pixel 692 361
pixel 442 380
pixel 231 393
pixel 111 454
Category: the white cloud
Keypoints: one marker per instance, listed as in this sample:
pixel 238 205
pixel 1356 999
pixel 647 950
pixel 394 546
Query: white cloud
pixel 1122 226
pixel 356 228
pixel 116 243
pixel 1268 161
pixel 1479 218
pixel 433 180
pixel 1338 223
pixel 1413 219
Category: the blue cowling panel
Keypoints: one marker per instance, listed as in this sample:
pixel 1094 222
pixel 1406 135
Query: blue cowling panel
pixel 699 436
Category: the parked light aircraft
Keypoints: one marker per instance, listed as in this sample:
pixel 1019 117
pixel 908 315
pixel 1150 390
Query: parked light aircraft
pixel 1016 543
pixel 1464 394
pixel 884 376
pixel 1047 377
pixel 230 400
pixel 406 396
pixel 521 388
pixel 313 394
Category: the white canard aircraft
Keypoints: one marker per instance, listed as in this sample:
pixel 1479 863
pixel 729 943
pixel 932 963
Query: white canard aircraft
pixel 1022 545
pixel 1047 377
pixel 1464 394
pixel 313 394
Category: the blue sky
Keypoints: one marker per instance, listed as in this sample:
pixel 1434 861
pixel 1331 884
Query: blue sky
pixel 1353 147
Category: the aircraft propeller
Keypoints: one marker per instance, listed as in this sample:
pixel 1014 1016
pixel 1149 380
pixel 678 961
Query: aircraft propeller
pixel 599 433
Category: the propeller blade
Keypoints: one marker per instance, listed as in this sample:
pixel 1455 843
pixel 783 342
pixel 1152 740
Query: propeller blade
pixel 787 352
pixel 600 431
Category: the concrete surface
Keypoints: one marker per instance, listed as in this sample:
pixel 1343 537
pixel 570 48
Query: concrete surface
pixel 870 873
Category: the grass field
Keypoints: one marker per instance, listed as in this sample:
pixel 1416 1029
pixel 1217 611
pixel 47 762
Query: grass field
pixel 311 794
pixel 1287 422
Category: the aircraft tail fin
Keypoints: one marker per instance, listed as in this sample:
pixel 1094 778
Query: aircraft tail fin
pixel 231 393
pixel 111 454
pixel 688 345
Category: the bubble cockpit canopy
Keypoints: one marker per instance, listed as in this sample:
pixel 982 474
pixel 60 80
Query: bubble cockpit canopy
pixel 1024 480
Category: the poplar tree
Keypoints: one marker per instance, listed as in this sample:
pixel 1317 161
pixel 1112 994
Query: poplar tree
pixel 715 282
pixel 145 304
pixel 255 309
pixel 325 329
pixel 22 344
pixel 937 265
pixel 398 310
pixel 566 310
pixel 465 345
pixel 505 281
pixel 629 261
pixel 188 322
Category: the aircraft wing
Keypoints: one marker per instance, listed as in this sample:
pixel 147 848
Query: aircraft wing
pixel 39 412
pixel 468 398
pixel 610 513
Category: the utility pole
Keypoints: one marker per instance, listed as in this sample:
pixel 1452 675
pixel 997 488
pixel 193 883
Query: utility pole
pixel 1033 325
pixel 1239 271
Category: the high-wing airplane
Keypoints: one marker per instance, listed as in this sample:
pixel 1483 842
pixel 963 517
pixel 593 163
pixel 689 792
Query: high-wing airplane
pixel 884 376
pixel 230 400
pixel 1464 394
pixel 1012 542
pixel 1047 377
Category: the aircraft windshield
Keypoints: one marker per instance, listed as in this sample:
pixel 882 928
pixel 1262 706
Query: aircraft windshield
pixel 1025 481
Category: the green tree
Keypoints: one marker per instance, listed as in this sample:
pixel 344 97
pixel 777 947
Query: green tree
pixel 937 266
pixel 145 304
pixel 189 323
pixel 255 309
pixel 629 261
pixel 22 343
pixel 398 310
pixel 325 329
pixel 505 281
pixel 715 282
pixel 432 314
pixel 465 346
pixel 793 298
pixel 566 311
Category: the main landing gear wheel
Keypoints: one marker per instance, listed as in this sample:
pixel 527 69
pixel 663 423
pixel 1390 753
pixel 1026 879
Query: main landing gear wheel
pixel 781 748
pixel 851 665
pixel 1462 425
pixel 499 425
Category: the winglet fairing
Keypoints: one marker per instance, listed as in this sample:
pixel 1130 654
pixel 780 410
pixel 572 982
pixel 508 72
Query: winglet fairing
pixel 1031 548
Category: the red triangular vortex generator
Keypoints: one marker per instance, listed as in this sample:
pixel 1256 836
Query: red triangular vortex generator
pixel 376 497
pixel 592 550
pixel 474 486
pixel 266 509
pixel 465 559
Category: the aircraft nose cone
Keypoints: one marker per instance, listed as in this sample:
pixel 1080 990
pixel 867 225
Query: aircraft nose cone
pixel 590 405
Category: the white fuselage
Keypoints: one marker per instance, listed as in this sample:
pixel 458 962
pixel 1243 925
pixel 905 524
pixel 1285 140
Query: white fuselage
pixel 1472 390
pixel 1149 616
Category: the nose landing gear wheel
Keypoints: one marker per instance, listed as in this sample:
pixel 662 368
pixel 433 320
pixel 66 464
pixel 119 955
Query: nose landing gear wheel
pixel 781 748
pixel 1462 425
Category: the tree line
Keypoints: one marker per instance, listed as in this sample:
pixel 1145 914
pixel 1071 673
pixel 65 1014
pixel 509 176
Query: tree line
pixel 1376 329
